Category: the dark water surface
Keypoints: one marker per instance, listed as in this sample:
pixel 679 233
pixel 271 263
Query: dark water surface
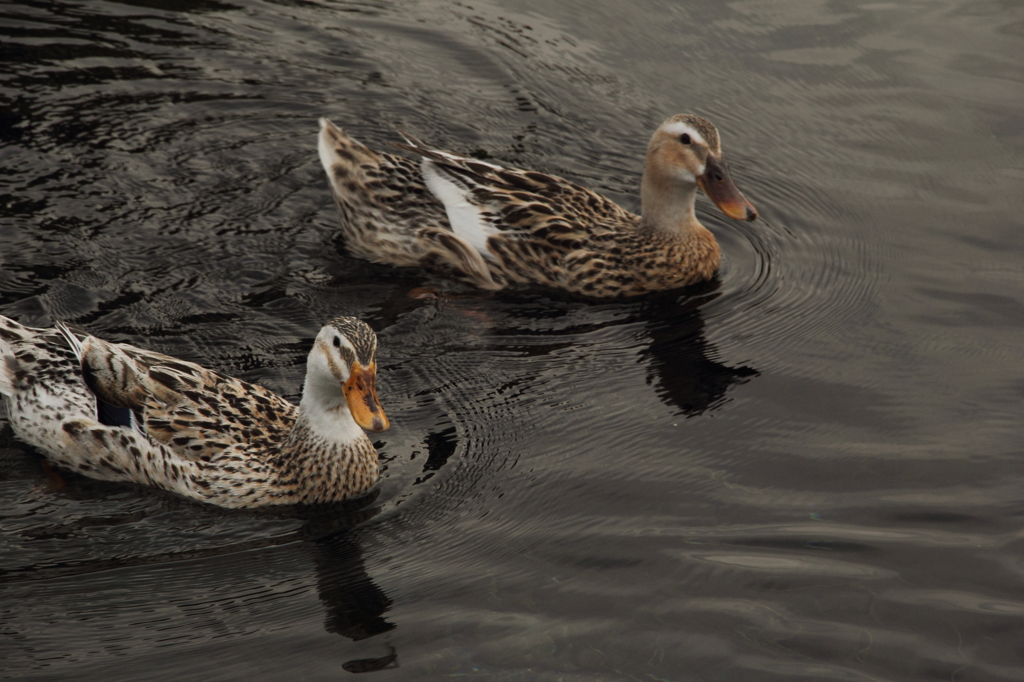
pixel 810 469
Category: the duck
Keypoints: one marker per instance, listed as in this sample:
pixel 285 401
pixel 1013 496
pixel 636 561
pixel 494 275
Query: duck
pixel 494 227
pixel 115 412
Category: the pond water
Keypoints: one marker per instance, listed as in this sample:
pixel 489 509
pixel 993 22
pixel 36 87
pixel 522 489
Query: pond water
pixel 810 468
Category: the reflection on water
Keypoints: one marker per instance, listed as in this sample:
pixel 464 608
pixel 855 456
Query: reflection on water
pixel 680 360
pixel 808 468
pixel 355 605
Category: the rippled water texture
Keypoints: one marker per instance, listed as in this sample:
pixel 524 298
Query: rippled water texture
pixel 810 468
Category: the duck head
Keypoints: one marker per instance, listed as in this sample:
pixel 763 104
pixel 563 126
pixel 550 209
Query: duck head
pixel 344 357
pixel 685 153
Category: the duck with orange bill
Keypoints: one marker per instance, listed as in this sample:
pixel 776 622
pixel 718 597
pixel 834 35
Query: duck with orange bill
pixel 120 413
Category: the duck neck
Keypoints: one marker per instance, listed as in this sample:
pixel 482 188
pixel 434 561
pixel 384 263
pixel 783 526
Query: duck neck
pixel 324 416
pixel 327 456
pixel 668 205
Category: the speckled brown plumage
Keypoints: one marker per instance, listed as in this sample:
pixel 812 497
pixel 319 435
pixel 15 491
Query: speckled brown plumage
pixel 494 226
pixel 192 430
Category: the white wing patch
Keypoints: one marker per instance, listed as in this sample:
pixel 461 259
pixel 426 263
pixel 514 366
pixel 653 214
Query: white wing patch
pixel 466 218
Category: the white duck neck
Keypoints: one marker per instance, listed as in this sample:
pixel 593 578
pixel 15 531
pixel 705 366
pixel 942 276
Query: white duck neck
pixel 323 408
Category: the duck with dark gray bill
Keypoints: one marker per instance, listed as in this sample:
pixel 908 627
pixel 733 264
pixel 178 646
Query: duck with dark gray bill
pixel 119 413
pixel 493 226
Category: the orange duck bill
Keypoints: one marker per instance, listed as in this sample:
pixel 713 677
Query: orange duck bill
pixel 718 185
pixel 361 396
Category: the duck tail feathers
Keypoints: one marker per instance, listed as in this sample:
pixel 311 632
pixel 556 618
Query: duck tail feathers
pixel 73 341
pixel 10 333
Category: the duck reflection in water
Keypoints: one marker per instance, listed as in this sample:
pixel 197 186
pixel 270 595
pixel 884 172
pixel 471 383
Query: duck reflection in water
pixel 679 357
pixel 355 605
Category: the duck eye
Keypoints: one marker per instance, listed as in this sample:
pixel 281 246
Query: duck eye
pixel 337 342
pixel 685 138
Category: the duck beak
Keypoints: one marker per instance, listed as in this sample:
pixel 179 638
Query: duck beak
pixel 718 185
pixel 361 396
